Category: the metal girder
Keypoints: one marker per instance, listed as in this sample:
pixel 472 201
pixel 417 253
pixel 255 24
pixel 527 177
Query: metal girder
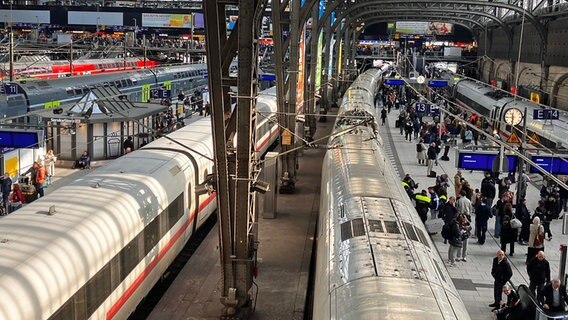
pixel 234 168
pixel 310 91
pixel 467 6
pixel 286 82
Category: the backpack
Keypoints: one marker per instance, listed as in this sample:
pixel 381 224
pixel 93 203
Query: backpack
pixel 539 238
pixel 446 231
pixel 419 147
pixel 40 176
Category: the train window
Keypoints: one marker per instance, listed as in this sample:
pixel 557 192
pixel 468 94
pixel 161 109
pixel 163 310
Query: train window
pixel 422 237
pixel 392 227
pixel 70 92
pixel 151 235
pixel 78 92
pixel 353 228
pixel 410 231
pixel 67 311
pixel 176 76
pixel 97 289
pixel 175 210
pixel 124 83
pixel 376 226
pixel 129 258
pixel 115 272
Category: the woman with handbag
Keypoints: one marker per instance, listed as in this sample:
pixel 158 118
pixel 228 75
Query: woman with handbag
pixel 536 239
pixel 465 230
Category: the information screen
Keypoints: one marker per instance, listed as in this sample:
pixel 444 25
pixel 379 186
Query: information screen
pixel 15 139
pixel 470 160
pixel 555 165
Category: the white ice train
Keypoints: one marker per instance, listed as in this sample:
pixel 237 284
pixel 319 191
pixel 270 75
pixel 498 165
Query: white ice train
pixel 375 259
pixel 495 105
pixel 113 232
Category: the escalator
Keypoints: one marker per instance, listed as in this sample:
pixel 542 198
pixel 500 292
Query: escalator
pixel 532 309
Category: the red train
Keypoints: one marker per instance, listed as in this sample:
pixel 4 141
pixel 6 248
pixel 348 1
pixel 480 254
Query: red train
pixel 58 69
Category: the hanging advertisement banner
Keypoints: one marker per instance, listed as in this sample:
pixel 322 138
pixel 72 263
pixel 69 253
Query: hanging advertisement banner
pixel 319 61
pixel 166 20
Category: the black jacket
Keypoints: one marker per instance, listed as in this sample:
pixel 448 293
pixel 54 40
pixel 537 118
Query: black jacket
pixel 501 271
pixel 538 271
pixel 482 214
pixel 488 188
pixel 545 296
pixel 431 153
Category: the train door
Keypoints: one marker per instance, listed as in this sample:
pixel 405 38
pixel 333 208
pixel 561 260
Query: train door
pixel 494 119
pixel 191 207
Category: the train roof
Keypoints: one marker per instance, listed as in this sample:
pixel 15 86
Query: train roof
pixel 44 255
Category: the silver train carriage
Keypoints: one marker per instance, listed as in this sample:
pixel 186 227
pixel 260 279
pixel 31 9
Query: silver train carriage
pixel 493 104
pixel 375 259
pixel 20 97
pixel 94 248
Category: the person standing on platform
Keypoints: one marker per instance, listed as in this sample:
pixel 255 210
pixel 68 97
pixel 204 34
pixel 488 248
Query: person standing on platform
pixel 6 188
pixel 536 239
pixel 464 205
pixel 434 203
pixel 455 241
pixel 553 296
pixel 40 179
pixel 502 273
pixel 508 233
pixel 421 152
pixel 431 154
pixel 408 130
pixel 522 213
pixel 488 188
pixel 482 215
pixel 50 159
pixel 422 205
pixel 538 270
pixel 458 182
pixel 465 233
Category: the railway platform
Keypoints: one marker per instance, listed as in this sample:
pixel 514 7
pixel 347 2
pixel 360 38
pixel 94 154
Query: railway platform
pixel 285 252
pixel 472 278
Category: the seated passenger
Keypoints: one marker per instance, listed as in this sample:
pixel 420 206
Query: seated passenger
pixel 83 162
pixel 16 198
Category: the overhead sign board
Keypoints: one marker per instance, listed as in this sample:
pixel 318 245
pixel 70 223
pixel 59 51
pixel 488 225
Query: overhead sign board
pixel 554 165
pixel 166 20
pixel 546 114
pixel 394 82
pixel 483 160
pixel 427 108
pixel 161 93
pixel 437 83
pixel 19 139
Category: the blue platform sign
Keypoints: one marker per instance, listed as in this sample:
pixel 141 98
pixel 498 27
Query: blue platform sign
pixel 394 82
pixel 161 93
pixel 483 161
pixel 554 165
pixel 19 139
pixel 437 83
pixel 546 114
pixel 434 110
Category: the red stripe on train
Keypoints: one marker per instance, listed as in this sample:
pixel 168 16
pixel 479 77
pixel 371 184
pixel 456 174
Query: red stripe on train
pixel 265 141
pixel 140 279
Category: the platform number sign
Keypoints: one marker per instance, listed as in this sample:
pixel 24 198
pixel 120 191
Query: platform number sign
pixel 161 93
pixel 422 107
pixel 434 110
pixel 10 89
pixel 546 114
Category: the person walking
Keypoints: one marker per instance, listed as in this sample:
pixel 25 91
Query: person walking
pixel 502 273
pixel 538 270
pixel 383 116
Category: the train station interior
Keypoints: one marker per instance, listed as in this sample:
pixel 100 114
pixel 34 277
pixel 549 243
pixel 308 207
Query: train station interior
pixel 283 159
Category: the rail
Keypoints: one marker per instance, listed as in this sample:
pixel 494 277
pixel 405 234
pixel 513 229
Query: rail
pixel 532 309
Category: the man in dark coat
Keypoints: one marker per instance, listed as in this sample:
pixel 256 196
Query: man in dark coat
pixel 482 215
pixel 422 204
pixel 6 187
pixel 553 296
pixel 538 270
pixel 501 272
pixel 488 188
